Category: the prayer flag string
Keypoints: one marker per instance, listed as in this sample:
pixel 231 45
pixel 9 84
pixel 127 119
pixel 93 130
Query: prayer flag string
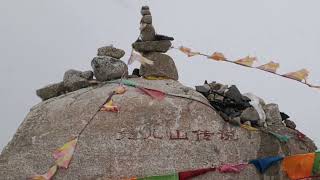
pixel 270 67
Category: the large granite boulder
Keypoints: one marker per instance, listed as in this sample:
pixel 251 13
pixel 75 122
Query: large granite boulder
pixel 163 66
pixel 147 137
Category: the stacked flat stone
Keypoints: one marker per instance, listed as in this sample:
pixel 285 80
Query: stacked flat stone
pixel 107 65
pixel 153 46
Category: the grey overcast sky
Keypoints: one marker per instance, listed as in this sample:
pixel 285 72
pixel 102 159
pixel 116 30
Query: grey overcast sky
pixel 41 39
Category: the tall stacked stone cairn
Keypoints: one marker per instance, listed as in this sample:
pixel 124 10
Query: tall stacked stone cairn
pixel 106 66
pixel 153 46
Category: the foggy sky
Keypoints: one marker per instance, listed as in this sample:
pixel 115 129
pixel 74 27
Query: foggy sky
pixel 41 39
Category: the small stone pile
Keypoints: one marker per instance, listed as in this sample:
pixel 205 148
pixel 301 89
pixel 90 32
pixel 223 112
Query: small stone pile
pixel 237 108
pixel 153 46
pixel 106 66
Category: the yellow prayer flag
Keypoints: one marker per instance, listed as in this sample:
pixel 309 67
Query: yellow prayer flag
pixel 247 61
pixel 270 67
pixel 298 75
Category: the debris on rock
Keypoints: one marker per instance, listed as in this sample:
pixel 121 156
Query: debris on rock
pixel 273 116
pixel 242 109
pixel 290 124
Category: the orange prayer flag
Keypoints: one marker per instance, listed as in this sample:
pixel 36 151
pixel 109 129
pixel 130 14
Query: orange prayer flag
pixel 270 67
pixel 52 171
pixel 247 61
pixel 188 51
pixel 217 56
pixel 298 75
pixel 64 154
pixel 298 166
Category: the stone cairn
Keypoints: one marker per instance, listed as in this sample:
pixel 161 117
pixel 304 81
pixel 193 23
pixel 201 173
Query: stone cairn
pixel 153 46
pixel 247 109
pixel 106 66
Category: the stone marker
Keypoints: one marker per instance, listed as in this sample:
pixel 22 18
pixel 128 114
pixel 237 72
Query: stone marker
pixel 111 51
pixel 107 68
pixel 147 32
pixel 147 19
pixel 152 46
pixel 163 66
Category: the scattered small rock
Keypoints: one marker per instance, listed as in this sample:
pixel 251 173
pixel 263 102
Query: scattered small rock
pixel 107 68
pixel 250 114
pixel 163 66
pixel 290 124
pixel 273 116
pixel 74 80
pixel 235 121
pixel 111 51
pixel 50 91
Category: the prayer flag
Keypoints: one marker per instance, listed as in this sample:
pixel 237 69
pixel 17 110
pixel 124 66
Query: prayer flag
pixel 64 154
pixel 299 166
pixel 263 164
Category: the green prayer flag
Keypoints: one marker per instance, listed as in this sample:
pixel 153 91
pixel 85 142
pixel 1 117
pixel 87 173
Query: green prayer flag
pixel 282 138
pixel 316 164
pixel 125 82
pixel 174 176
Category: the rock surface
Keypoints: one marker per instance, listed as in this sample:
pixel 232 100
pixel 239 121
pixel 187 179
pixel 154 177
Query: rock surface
pixel 107 68
pixel 141 140
pixel 111 51
pixel 163 66
pixel 152 46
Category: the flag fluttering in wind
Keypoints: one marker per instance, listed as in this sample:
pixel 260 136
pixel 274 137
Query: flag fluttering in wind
pixel 270 67
pixel 188 51
pixel 217 56
pixel 135 56
pixel 298 75
pixel 247 61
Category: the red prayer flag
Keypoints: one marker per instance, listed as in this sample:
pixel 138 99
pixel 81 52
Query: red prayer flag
pixel 191 174
pixel 155 94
